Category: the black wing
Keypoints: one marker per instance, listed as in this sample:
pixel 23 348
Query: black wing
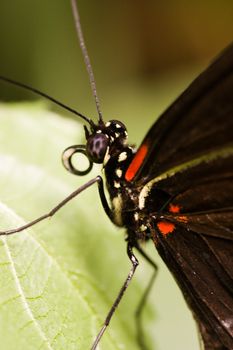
pixel 188 154
pixel 194 235
pixel 199 248
pixel 201 192
pixel 203 268
pixel 200 120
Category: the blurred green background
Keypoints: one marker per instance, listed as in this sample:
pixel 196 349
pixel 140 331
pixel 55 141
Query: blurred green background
pixel 144 53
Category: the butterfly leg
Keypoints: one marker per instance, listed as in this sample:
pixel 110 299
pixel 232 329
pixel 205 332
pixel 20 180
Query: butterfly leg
pixel 54 210
pixel 138 313
pixel 135 263
pixel 104 201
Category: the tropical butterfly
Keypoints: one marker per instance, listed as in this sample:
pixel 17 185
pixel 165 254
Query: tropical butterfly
pixel 176 189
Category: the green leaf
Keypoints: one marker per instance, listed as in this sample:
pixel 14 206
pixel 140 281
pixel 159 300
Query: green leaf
pixel 59 278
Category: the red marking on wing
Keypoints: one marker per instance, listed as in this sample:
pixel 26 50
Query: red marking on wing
pixel 136 162
pixel 165 227
pixel 174 208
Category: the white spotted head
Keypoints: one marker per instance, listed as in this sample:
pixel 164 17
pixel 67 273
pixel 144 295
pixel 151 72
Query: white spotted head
pixel 117 130
pixel 102 137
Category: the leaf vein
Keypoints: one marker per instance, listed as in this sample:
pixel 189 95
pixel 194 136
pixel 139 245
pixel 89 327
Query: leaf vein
pixel 23 298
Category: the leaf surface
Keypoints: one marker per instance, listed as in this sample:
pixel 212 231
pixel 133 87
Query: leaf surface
pixel 53 292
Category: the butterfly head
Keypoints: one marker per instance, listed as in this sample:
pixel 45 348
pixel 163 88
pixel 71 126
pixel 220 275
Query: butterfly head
pixel 102 139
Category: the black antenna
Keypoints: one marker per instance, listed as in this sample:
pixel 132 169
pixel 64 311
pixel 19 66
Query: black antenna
pixel 40 93
pixel 86 56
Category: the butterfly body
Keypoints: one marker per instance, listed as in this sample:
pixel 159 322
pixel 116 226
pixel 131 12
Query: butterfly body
pixel 177 189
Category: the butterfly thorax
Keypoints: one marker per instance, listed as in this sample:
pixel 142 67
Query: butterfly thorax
pixel 107 144
pixel 124 195
pixel 119 189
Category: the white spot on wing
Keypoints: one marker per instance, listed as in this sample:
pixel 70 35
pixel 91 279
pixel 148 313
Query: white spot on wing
pixel 117 184
pixel 142 196
pixel 108 124
pixel 122 156
pixel 143 228
pixel 119 172
pixel 145 193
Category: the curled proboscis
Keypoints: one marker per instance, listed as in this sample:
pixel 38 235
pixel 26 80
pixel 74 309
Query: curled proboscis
pixel 67 159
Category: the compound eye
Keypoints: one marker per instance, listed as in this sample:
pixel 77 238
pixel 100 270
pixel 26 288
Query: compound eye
pixel 96 147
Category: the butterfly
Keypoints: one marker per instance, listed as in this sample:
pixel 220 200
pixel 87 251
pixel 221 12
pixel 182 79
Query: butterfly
pixel 176 189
